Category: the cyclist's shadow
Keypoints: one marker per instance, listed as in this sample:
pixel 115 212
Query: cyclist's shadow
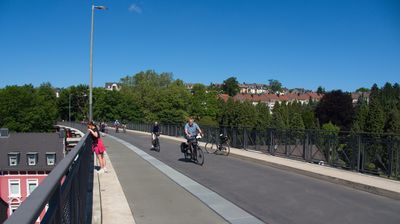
pixel 186 160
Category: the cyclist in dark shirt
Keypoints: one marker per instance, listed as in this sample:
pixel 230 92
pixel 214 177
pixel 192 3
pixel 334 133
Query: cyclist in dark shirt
pixel 154 132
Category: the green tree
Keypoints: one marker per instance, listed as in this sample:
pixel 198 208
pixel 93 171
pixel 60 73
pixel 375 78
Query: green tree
pixel 296 122
pixel 230 86
pixel 362 90
pixel 320 90
pixel 330 127
pixel 393 122
pixel 246 114
pixel 309 119
pixel 28 109
pixel 173 103
pixel 336 107
pixel 361 114
pixel 275 86
pixel 79 102
pixel 263 119
pixel 375 121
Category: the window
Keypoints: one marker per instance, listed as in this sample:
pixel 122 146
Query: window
pixel 13 158
pixel 32 158
pixel 13 208
pixel 31 184
pixel 14 188
pixel 51 158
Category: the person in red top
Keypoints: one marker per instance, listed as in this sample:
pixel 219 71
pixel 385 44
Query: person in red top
pixel 98 146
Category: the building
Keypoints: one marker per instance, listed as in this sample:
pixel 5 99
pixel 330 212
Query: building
pixel 253 88
pixel 357 96
pixel 25 161
pixel 113 86
pixel 271 99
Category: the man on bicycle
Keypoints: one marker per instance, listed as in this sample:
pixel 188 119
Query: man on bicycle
pixel 154 132
pixel 116 125
pixel 191 131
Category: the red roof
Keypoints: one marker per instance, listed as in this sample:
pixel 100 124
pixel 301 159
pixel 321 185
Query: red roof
pixel 273 97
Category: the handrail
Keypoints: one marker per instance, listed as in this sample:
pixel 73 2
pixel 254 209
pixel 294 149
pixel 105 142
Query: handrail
pixel 31 208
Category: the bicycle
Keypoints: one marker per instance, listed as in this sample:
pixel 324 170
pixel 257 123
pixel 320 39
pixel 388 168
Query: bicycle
pixel 198 155
pixel 156 142
pixel 222 147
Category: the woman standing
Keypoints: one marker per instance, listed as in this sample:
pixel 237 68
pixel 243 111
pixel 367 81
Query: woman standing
pixel 98 146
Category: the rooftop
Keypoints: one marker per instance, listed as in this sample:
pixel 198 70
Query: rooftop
pixel 23 144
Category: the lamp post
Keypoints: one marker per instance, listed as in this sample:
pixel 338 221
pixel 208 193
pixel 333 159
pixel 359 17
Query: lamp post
pixel 91 61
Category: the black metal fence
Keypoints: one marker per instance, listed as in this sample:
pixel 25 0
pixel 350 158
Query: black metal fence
pixel 377 154
pixel 65 194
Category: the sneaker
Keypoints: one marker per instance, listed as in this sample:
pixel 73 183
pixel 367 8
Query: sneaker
pixel 105 170
pixel 100 171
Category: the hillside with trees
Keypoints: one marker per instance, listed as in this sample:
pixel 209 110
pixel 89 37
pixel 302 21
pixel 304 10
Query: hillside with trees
pixel 149 96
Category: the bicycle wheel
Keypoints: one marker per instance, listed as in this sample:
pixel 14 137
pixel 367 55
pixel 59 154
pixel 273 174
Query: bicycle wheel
pixel 225 149
pixel 157 145
pixel 187 156
pixel 211 147
pixel 200 156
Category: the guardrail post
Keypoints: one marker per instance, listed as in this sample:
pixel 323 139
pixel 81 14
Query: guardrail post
pixel 234 133
pixel 271 144
pixel 306 146
pixel 244 138
pixel 390 153
pixel 286 143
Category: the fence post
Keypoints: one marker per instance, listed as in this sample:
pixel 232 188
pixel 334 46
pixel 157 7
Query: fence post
pixel 358 152
pixel 271 143
pixel 234 133
pixel 390 152
pixel 244 138
pixel 305 147
pixel 286 143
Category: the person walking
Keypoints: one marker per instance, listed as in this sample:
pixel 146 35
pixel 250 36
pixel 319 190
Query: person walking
pixel 98 146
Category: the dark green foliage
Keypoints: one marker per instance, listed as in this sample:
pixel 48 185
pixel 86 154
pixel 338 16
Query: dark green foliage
pixel 336 107
pixel 274 86
pixel 78 96
pixel 28 109
pixel 320 90
pixel 393 122
pixel 361 114
pixel 148 96
pixel 362 90
pixel 296 122
pixel 230 86
pixel 263 119
pixel 376 118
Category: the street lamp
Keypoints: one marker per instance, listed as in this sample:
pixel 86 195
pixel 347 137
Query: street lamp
pixel 91 62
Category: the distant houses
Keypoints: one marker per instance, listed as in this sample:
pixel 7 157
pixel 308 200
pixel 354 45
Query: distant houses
pixel 271 99
pixel 260 93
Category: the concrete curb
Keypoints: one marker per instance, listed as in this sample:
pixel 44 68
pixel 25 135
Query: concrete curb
pixel 97 213
pixel 387 188
pixel 110 192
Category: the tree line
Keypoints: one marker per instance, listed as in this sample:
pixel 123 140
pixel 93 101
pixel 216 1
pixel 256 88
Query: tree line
pixel 149 96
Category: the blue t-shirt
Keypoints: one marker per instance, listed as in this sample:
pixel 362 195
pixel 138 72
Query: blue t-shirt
pixel 192 130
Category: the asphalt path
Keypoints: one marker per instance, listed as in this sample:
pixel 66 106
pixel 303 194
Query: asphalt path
pixel 273 195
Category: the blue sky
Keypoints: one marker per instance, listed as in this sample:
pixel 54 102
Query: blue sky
pixel 338 44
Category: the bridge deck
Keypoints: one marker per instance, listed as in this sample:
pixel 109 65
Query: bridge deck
pixel 153 197
pixel 272 195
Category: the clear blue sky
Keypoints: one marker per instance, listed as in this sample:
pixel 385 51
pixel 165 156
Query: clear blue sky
pixel 338 44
